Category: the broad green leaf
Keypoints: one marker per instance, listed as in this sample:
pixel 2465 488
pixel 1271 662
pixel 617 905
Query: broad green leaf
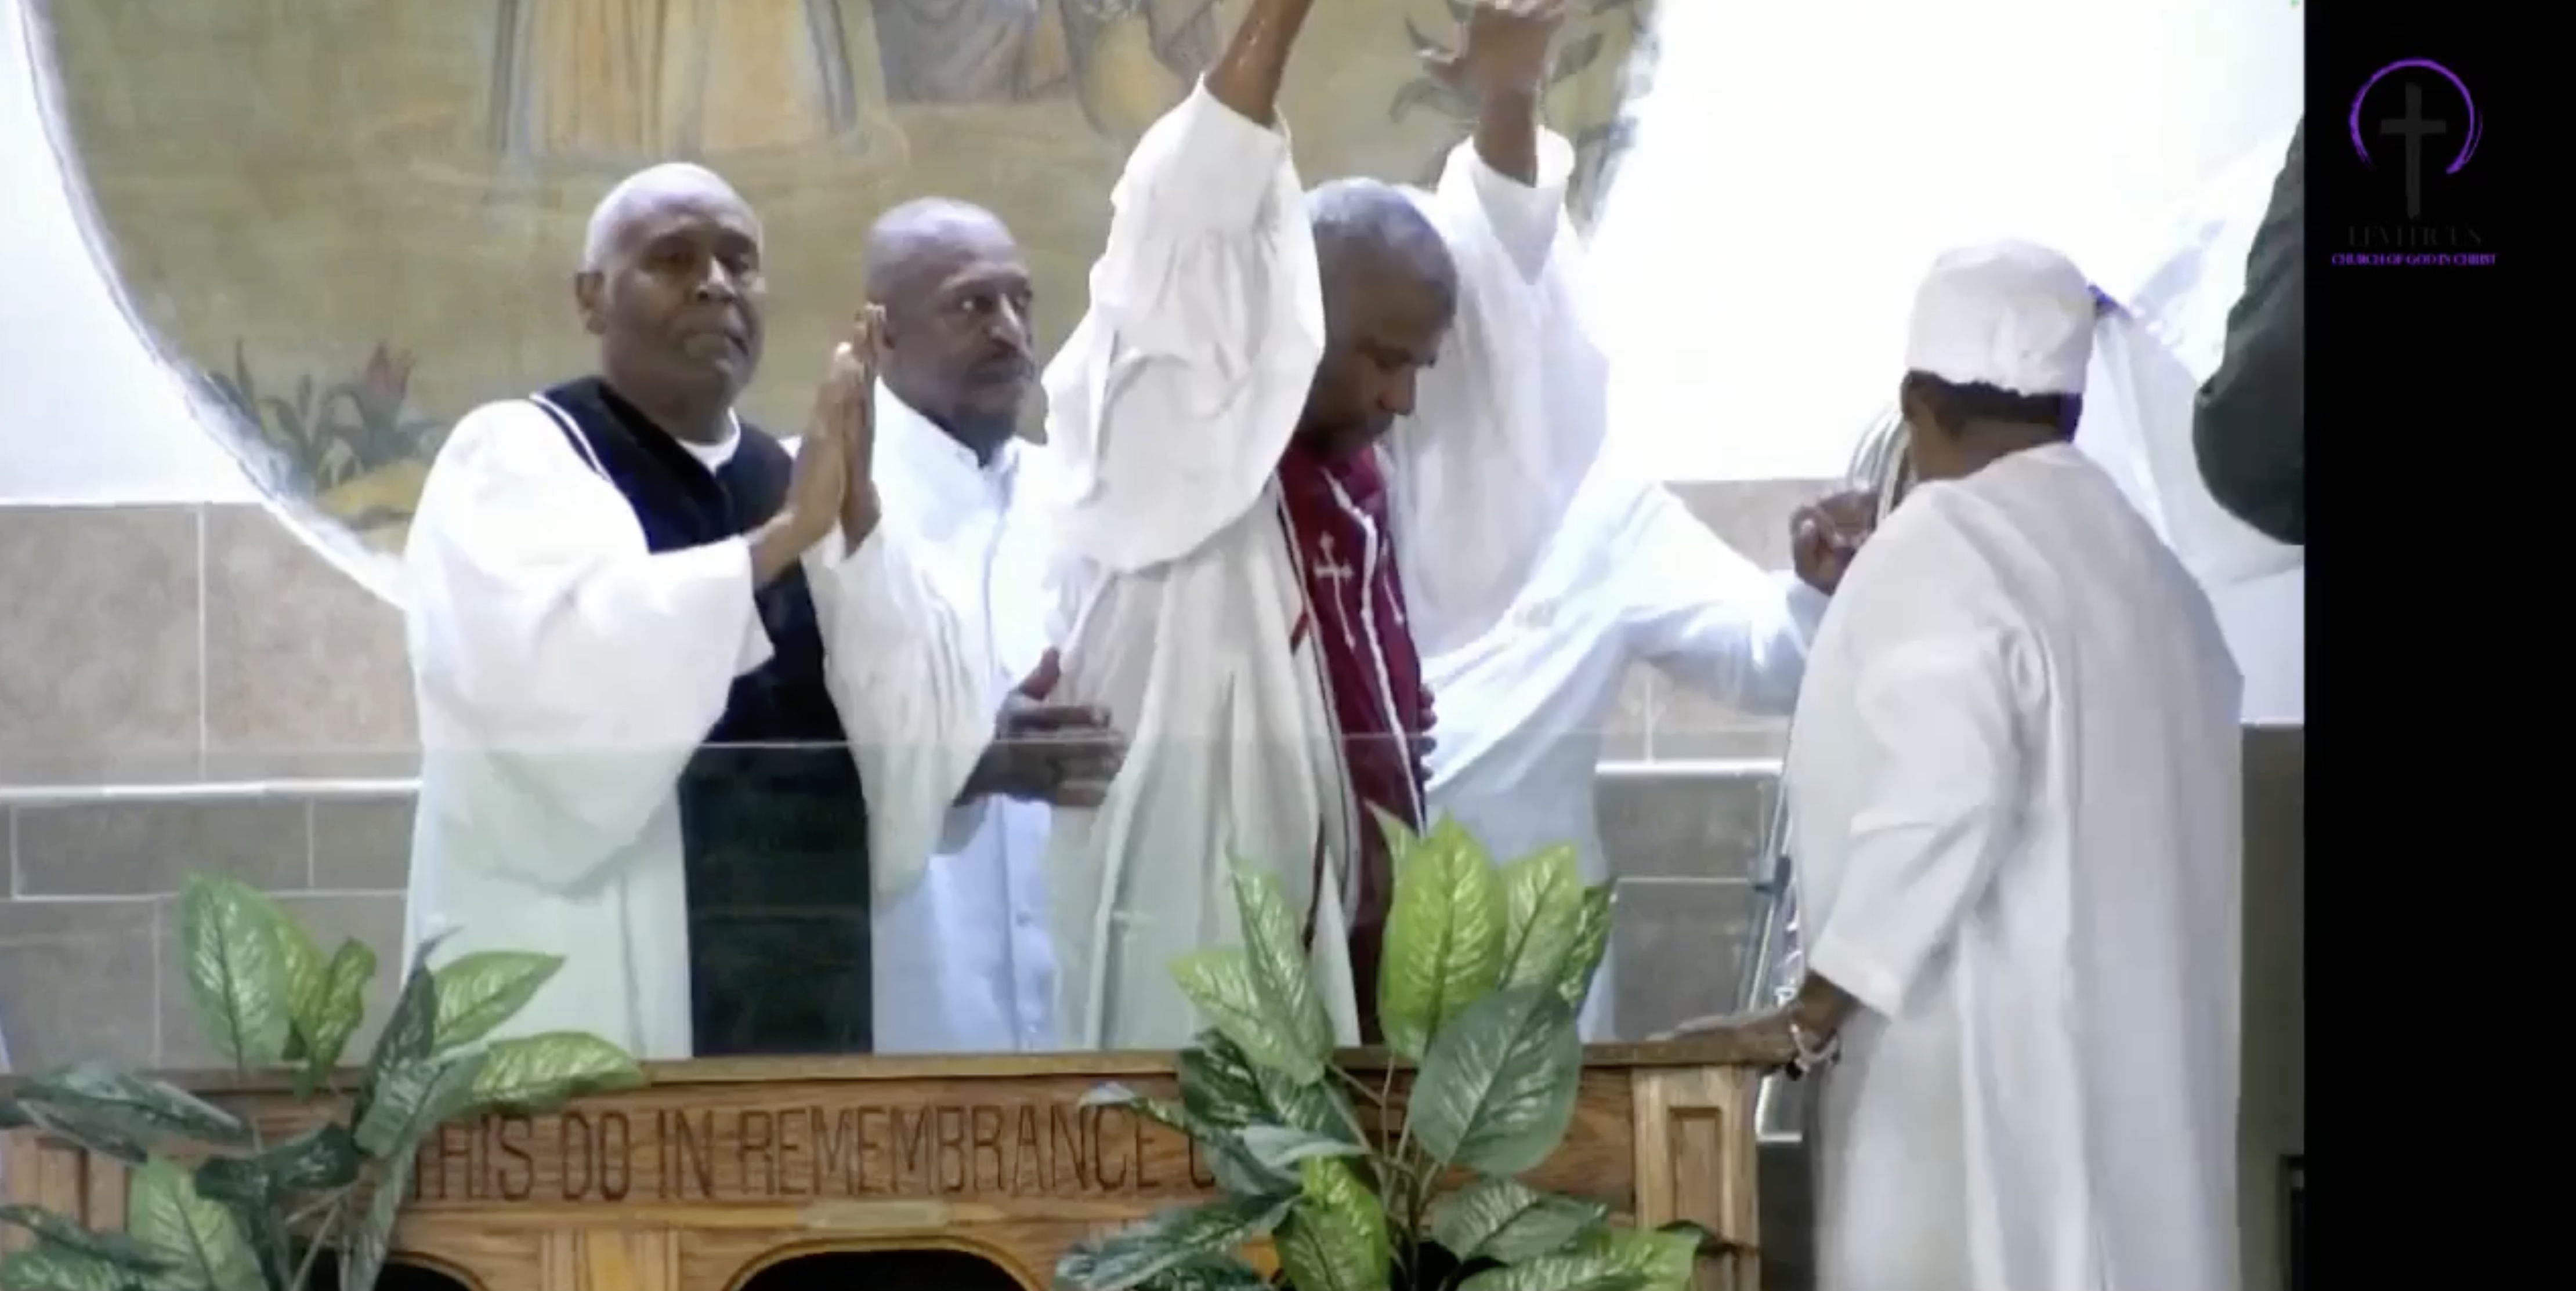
pixel 1335 1238
pixel 233 940
pixel 1497 1088
pixel 1210 1273
pixel 1170 1240
pixel 1591 943
pixel 363 1254
pixel 479 992
pixel 1225 1087
pixel 1280 1148
pixel 1239 1172
pixel 540 1072
pixel 303 968
pixel 1400 838
pixel 1276 950
pixel 1168 1115
pixel 1661 1259
pixel 1542 916
pixel 116 1249
pixel 410 1035
pixel 1562 1272
pixel 1508 1221
pixel 332 1015
pixel 60 1268
pixel 318 1160
pixel 415 1098
pixel 1444 938
pixel 1221 984
pixel 116 1112
pixel 163 1211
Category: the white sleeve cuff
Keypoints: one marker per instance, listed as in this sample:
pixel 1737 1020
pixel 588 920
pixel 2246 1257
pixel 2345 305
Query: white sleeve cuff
pixel 1806 604
pixel 1859 974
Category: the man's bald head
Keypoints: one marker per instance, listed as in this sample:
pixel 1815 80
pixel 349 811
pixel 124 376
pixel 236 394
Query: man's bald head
pixel 959 346
pixel 671 284
pixel 1390 295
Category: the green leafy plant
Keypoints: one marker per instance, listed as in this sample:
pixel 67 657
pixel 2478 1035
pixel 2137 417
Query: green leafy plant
pixel 216 1205
pixel 1482 974
pixel 330 434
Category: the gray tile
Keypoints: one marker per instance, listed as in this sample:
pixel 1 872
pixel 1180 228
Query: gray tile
pixel 375 920
pixel 1659 823
pixel 305 671
pixel 101 681
pixel 138 848
pixel 1679 946
pixel 78 982
pixel 362 845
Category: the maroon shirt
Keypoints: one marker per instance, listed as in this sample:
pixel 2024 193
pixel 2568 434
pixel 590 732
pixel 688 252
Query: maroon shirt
pixel 1355 621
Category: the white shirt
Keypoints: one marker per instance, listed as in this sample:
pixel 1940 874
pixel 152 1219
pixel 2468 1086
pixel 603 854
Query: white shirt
pixel 963 960
pixel 2019 821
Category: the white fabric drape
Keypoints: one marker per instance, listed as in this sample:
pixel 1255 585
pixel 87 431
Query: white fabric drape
pixel 1798 166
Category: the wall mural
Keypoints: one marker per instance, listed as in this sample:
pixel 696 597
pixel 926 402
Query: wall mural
pixel 354 220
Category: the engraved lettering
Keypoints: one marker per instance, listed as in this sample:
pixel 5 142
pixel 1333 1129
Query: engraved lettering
pixel 836 1151
pixel 1065 1124
pixel 1099 1117
pixel 952 1149
pixel 920 1159
pixel 577 1153
pixel 884 1147
pixel 1027 1157
pixel 696 1154
pixel 514 1171
pixel 755 1134
pixel 616 1156
pixel 795 1140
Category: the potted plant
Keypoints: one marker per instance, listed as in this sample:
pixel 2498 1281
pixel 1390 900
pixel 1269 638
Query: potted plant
pixel 1482 974
pixel 234 1210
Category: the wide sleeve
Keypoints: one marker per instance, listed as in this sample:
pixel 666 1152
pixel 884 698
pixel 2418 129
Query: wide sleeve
pixel 1701 612
pixel 911 677
pixel 2249 426
pixel 1512 417
pixel 1170 405
pixel 1940 760
pixel 564 673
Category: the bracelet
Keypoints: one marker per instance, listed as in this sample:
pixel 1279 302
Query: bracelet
pixel 1812 1056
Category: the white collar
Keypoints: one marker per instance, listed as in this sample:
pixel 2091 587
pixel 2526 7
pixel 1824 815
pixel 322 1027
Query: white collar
pixel 931 459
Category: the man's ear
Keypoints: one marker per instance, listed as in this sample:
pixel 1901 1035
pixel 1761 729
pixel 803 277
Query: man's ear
pixel 589 298
pixel 886 329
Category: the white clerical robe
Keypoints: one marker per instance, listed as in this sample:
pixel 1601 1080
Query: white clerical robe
pixel 963 962
pixel 564 676
pixel 1631 576
pixel 2018 813
pixel 1175 583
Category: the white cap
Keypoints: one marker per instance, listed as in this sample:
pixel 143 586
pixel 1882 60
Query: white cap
pixel 2012 315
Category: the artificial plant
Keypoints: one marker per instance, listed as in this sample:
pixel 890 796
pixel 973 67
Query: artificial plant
pixel 228 1208
pixel 1482 973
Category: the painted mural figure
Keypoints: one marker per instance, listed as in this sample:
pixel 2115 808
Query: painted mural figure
pixel 628 80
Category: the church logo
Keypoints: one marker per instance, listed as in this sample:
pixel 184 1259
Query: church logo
pixel 2415 128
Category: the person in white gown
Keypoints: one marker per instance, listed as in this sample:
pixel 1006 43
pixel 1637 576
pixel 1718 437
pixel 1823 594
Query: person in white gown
pixel 963 960
pixel 1236 554
pixel 2018 812
pixel 1630 577
pixel 687 707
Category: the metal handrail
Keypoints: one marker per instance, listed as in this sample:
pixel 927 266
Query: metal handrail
pixel 1772 964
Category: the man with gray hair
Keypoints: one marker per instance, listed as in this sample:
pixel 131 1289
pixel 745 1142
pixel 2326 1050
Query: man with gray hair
pixel 687 706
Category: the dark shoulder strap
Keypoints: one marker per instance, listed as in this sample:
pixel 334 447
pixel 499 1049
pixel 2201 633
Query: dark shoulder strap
pixel 572 431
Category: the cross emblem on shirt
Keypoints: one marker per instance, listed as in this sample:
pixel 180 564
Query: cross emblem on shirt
pixel 1335 573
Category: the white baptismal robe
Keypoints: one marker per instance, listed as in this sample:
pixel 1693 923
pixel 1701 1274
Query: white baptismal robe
pixel 1632 575
pixel 564 675
pixel 963 963
pixel 2018 815
pixel 1177 587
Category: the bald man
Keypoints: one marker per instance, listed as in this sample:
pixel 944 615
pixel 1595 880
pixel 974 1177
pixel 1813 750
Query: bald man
pixel 1274 404
pixel 687 705
pixel 964 962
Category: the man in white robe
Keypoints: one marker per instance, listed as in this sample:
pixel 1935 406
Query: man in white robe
pixel 1230 535
pixel 963 961
pixel 2018 811
pixel 1631 576
pixel 686 706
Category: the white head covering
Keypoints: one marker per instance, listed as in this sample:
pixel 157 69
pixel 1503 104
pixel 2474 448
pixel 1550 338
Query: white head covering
pixel 2012 315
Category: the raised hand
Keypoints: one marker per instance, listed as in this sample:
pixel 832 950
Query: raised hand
pixel 855 365
pixel 1502 48
pixel 1825 534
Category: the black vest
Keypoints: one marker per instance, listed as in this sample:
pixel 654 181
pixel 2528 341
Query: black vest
pixel 773 823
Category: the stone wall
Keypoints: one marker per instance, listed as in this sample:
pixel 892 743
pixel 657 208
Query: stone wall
pixel 193 688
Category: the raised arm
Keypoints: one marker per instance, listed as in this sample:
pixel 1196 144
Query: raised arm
pixel 1707 616
pixel 1512 418
pixel 564 674
pixel 1169 406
